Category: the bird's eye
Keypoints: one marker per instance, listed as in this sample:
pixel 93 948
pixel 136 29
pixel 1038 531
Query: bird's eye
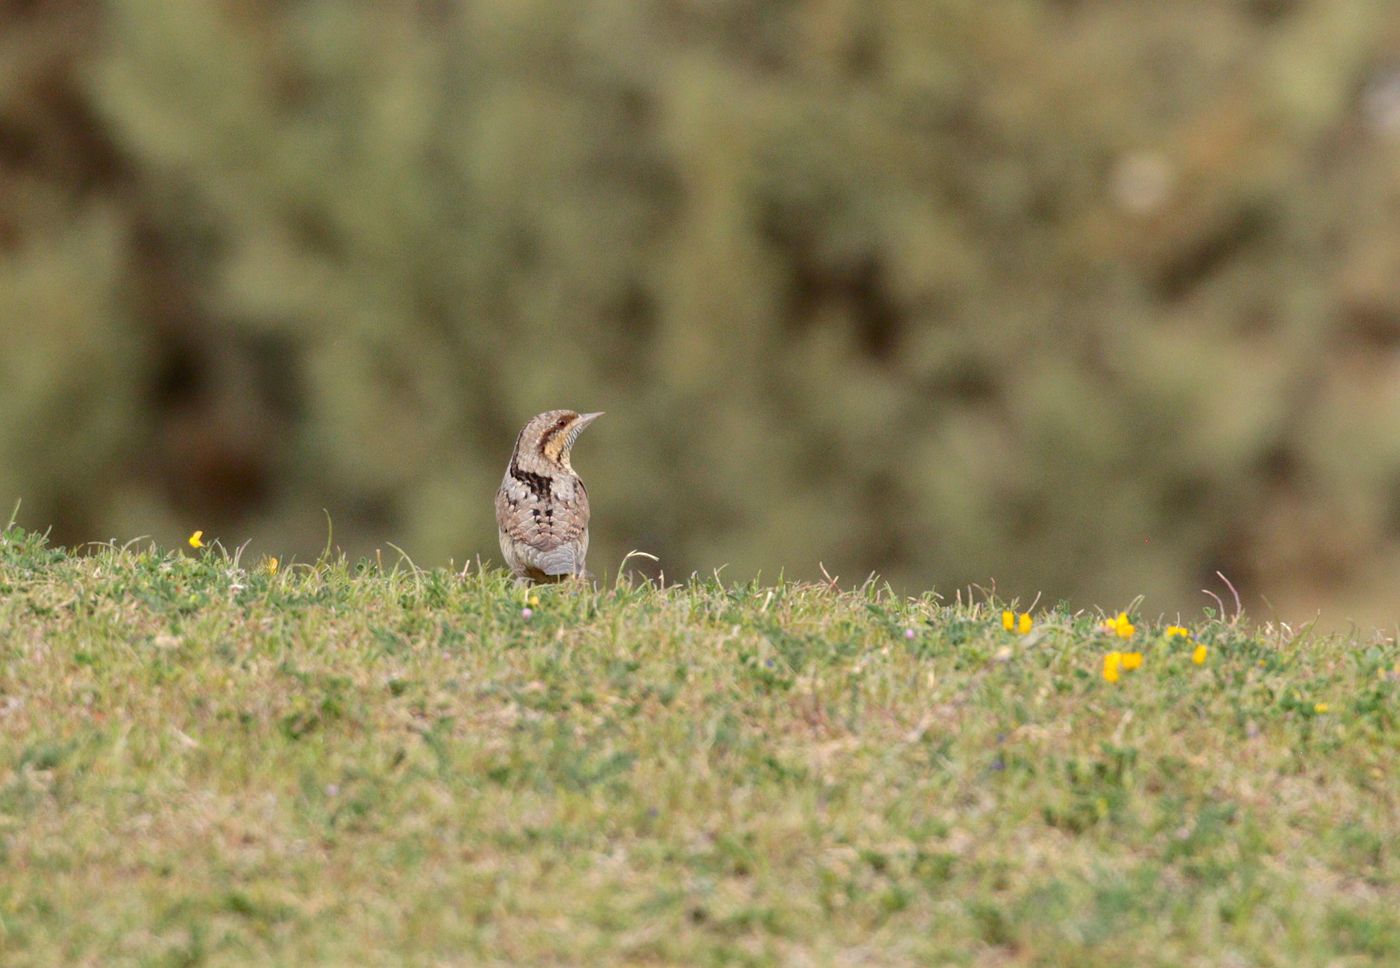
pixel 563 421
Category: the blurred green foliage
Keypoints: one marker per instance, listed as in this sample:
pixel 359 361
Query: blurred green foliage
pixel 1089 298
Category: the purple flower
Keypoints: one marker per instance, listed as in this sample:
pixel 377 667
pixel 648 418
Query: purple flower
pixel 908 633
pixel 526 612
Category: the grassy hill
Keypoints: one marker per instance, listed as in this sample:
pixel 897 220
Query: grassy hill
pixel 208 762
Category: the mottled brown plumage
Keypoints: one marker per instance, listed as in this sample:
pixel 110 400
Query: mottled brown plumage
pixel 542 507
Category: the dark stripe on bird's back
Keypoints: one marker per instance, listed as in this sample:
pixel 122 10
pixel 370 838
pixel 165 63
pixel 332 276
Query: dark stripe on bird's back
pixel 538 484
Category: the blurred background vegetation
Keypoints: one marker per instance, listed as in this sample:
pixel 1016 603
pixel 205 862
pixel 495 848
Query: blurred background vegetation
pixel 1086 297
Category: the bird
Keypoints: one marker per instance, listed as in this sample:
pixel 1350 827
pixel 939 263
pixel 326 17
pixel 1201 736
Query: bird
pixel 542 505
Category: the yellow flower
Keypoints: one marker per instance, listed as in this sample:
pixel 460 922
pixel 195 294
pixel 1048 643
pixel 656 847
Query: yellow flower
pixel 1120 626
pixel 272 565
pixel 534 600
pixel 1131 660
pixel 1177 631
pixel 197 539
pixel 1112 662
pixel 1021 624
pixel 1198 656
pixel 1320 708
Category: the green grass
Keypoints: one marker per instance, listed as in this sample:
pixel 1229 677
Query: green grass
pixel 202 764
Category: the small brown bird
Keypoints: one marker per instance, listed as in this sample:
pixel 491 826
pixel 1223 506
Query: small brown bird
pixel 542 507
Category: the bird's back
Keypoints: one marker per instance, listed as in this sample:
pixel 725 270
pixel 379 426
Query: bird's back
pixel 543 524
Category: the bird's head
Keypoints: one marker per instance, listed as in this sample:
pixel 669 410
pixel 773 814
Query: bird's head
pixel 550 435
